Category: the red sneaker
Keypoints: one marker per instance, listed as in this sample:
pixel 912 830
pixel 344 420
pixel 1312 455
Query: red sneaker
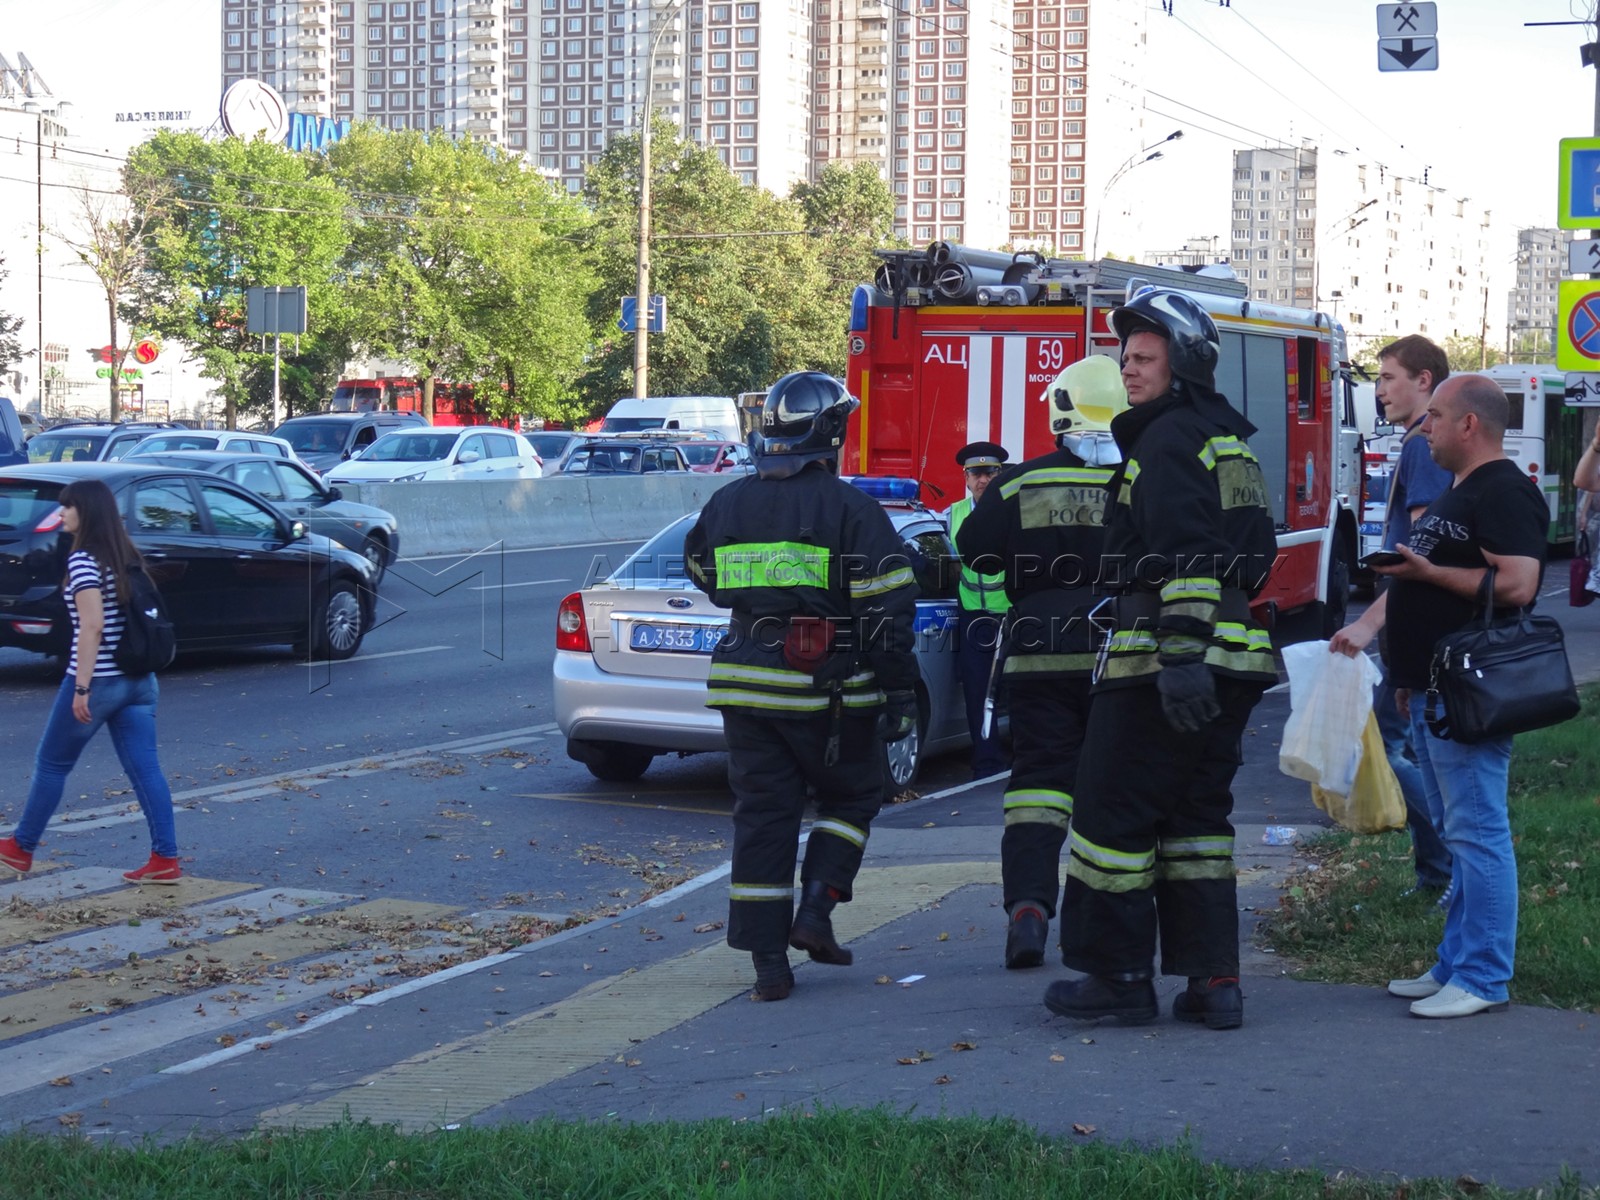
pixel 14 856
pixel 157 870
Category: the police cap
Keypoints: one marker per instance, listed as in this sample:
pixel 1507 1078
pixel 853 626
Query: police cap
pixel 981 454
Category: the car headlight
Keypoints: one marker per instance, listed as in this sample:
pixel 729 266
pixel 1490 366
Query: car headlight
pixel 411 478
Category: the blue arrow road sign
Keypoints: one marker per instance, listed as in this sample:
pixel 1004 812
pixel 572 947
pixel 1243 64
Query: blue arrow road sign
pixel 656 318
pixel 1584 181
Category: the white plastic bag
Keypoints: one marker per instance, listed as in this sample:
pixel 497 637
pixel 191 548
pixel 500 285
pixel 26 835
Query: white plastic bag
pixel 1330 696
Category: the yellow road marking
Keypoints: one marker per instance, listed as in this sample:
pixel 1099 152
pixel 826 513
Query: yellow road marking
pixel 603 1020
pixel 98 992
pixel 75 914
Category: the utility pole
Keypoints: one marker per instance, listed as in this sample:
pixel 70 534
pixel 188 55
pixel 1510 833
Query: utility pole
pixel 642 307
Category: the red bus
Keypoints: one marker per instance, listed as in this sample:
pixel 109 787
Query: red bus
pixel 452 402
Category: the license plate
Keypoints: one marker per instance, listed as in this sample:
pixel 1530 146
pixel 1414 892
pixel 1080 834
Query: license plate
pixel 677 639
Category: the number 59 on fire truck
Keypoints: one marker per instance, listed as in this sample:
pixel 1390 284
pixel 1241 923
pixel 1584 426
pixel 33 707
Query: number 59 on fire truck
pixel 952 345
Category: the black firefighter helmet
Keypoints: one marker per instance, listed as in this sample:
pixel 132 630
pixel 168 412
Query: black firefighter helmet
pixel 803 421
pixel 1190 333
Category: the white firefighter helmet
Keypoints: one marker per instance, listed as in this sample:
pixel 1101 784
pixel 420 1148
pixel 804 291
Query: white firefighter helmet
pixel 1085 396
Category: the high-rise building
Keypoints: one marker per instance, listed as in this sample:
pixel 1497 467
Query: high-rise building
pixel 945 99
pixel 1531 302
pixel 1385 253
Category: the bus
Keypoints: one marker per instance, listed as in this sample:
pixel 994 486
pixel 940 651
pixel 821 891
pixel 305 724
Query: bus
pixel 453 403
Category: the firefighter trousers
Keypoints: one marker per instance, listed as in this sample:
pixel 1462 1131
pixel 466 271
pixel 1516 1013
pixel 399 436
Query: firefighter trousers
pixel 1048 715
pixel 1151 847
pixel 770 762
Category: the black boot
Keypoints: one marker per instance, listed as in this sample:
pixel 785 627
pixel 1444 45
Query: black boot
pixel 813 931
pixel 1217 1001
pixel 1130 997
pixel 774 979
pixel 1025 937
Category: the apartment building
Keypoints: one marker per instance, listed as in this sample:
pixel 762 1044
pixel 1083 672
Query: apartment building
pixel 1531 302
pixel 948 100
pixel 1387 254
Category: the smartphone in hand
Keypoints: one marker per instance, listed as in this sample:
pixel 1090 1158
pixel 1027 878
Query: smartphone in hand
pixel 1381 558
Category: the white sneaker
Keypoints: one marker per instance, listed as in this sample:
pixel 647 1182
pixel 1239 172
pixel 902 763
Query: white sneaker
pixel 1420 988
pixel 1451 1001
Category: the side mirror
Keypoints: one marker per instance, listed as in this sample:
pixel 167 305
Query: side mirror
pixel 468 456
pixel 333 494
pixel 297 531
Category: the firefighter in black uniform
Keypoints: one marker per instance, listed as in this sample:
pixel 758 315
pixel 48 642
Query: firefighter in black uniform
pixel 1041 523
pixel 1189 542
pixel 815 672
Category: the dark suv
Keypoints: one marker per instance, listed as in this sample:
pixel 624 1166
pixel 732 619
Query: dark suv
pixel 324 440
pixel 92 443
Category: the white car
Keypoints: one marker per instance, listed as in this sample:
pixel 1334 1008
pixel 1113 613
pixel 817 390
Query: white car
pixel 234 441
pixel 435 452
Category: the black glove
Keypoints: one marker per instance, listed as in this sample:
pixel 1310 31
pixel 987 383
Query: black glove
pixel 899 716
pixel 1188 694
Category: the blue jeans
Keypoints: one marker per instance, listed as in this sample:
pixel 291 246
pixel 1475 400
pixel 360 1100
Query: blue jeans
pixel 1425 822
pixel 127 706
pixel 1468 784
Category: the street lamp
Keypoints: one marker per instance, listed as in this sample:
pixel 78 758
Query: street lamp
pixel 1149 154
pixel 641 304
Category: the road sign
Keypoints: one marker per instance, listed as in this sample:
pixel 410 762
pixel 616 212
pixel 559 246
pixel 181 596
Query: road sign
pixel 275 310
pixel 1408 20
pixel 1583 390
pixel 1583 258
pixel 1408 54
pixel 1578 204
pixel 657 317
pixel 1578 325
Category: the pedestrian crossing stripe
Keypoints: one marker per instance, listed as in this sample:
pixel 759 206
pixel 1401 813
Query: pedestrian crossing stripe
pixel 65 915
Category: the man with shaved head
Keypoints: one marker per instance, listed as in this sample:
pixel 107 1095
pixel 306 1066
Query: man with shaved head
pixel 1493 515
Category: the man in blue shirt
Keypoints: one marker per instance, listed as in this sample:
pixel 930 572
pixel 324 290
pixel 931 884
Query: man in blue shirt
pixel 1408 371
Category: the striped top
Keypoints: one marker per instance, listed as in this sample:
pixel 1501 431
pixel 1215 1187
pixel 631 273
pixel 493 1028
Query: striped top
pixel 83 571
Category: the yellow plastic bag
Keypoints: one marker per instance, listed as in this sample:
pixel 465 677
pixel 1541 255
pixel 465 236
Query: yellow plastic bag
pixel 1374 803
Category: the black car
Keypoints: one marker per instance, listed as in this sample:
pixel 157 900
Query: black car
pixel 233 570
pixel 300 495
pixel 619 456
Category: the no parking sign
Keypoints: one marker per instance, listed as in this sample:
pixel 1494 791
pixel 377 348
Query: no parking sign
pixel 1578 326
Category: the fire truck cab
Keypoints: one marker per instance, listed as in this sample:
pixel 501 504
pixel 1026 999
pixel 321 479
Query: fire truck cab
pixel 949 346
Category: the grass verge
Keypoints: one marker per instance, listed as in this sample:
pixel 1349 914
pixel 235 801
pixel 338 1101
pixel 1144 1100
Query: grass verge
pixel 1343 920
pixel 838 1154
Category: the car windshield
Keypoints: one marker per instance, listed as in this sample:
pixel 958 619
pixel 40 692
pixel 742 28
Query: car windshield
pixel 660 561
pixel 700 454
pixel 410 447
pixel 24 503
pixel 602 458
pixel 163 442
pixel 65 447
pixel 630 424
pixel 313 437
pixel 550 445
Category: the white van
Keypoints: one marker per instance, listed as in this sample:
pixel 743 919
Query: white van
pixel 715 415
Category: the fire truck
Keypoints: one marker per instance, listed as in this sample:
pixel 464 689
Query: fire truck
pixel 952 345
pixel 452 402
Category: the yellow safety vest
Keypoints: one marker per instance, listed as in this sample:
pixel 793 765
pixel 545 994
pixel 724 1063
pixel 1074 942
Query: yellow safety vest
pixel 977 593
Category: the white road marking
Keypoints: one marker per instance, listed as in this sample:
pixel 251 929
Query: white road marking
pixel 370 657
pixel 529 583
pixel 527 550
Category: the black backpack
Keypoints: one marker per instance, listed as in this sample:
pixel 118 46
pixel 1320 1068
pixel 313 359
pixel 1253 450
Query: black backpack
pixel 148 641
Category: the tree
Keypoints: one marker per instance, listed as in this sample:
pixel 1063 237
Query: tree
pixel 469 267
pixel 110 236
pixel 10 345
pixel 239 215
pixel 1471 354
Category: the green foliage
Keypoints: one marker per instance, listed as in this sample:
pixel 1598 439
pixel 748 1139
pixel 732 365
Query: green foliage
pixel 1470 354
pixel 10 346
pixel 241 215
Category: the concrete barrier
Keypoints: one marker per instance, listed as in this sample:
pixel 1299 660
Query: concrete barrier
pixel 461 516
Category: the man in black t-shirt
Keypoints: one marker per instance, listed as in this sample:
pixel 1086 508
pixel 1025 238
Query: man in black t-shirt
pixel 1493 515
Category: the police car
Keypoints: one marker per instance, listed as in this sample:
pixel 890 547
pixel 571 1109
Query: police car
pixel 633 653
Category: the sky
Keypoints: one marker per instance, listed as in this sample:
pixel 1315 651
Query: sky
pixel 1484 125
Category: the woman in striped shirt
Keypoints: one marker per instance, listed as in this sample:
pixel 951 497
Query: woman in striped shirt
pixel 95 692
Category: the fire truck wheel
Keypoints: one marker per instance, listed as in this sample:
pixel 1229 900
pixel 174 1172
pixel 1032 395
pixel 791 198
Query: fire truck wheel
pixel 1335 610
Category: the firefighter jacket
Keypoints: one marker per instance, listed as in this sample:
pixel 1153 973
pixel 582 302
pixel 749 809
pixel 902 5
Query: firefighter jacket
pixel 1042 522
pixel 784 553
pixel 976 592
pixel 1189 540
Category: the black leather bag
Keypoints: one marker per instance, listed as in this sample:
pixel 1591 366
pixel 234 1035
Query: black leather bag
pixel 1500 677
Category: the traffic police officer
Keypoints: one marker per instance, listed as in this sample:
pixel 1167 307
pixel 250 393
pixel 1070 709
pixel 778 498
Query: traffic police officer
pixel 815 669
pixel 1042 524
pixel 1189 541
pixel 983 608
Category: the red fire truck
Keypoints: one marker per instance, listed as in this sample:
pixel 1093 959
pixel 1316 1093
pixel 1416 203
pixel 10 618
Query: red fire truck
pixel 950 345
pixel 452 402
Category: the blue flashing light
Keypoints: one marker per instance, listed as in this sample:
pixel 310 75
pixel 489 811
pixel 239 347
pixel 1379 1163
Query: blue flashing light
pixel 860 300
pixel 886 487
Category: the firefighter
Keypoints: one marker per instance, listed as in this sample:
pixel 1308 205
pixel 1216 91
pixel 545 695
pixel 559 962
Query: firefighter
pixel 1042 523
pixel 1189 542
pixel 815 672
pixel 983 610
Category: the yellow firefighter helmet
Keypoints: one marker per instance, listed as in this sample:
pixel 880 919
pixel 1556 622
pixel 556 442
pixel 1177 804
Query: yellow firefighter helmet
pixel 1085 396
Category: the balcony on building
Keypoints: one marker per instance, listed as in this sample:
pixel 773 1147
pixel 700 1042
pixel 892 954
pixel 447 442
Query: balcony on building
pixel 479 125
pixel 306 61
pixel 876 102
pixel 872 32
pixel 479 79
pixel 484 32
pixel 482 8
pixel 481 54
pixel 309 39
pixel 482 102
pixel 872 56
